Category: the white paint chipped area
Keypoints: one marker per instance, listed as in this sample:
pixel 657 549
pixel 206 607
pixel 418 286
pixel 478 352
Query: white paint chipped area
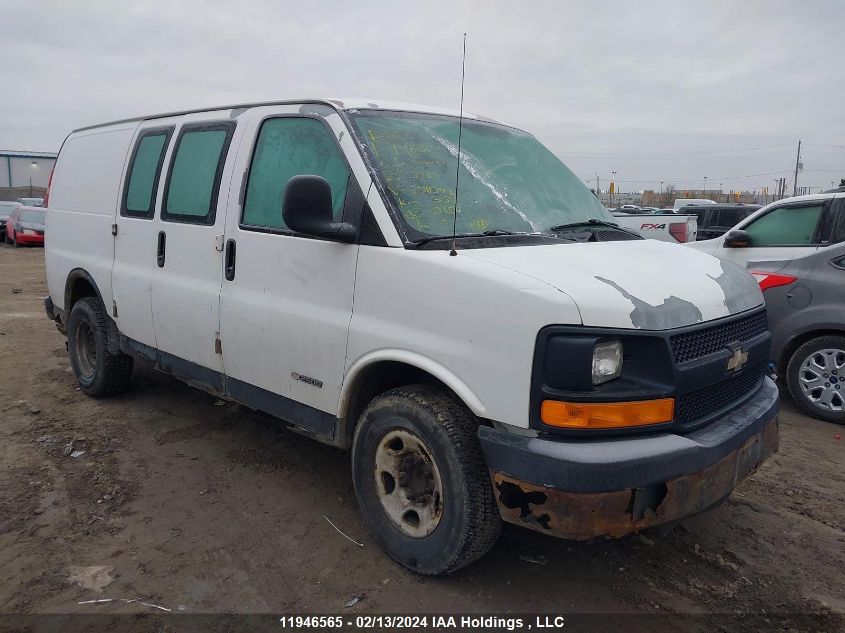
pixel 649 270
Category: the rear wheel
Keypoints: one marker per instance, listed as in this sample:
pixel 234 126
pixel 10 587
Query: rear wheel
pixel 99 372
pixel 421 481
pixel 816 378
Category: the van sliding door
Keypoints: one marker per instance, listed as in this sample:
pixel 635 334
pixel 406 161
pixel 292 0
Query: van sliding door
pixel 188 250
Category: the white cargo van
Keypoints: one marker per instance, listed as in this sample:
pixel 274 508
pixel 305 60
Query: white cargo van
pixel 543 366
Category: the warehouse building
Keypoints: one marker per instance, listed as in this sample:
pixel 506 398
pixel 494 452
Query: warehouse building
pixel 24 174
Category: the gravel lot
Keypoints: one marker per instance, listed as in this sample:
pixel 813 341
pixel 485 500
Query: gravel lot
pixel 205 507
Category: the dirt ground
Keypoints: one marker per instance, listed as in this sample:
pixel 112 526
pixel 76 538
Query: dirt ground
pixel 204 507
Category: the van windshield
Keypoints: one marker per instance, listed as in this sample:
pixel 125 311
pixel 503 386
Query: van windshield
pixel 508 180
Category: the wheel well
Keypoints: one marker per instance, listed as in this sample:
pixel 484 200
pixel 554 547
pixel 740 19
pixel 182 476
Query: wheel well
pixel 373 381
pixel 79 286
pixel 798 341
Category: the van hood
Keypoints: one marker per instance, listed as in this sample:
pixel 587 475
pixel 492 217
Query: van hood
pixel 643 284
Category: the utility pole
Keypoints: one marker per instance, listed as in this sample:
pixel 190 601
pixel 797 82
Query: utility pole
pixel 704 195
pixel 612 182
pixel 598 189
pixel 797 162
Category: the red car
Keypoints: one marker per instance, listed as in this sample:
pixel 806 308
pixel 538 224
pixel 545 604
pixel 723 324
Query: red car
pixel 26 226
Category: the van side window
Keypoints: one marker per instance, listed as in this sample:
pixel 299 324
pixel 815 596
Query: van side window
pixel 287 147
pixel 193 183
pixel 786 226
pixel 139 193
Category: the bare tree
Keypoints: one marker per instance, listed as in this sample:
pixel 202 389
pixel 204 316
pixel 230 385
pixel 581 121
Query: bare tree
pixel 669 195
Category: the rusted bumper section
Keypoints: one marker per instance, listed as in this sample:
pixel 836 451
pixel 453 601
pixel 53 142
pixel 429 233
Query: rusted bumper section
pixel 615 487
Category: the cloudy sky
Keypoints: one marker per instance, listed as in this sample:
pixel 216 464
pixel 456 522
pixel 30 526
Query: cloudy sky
pixel 670 91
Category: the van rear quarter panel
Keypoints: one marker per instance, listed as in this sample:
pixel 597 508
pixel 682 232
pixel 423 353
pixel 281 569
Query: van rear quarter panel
pixel 83 202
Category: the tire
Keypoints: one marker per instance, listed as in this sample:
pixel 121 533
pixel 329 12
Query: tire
pixel 439 456
pixel 824 357
pixel 99 372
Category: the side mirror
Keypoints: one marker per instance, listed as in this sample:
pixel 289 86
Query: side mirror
pixel 307 208
pixel 737 239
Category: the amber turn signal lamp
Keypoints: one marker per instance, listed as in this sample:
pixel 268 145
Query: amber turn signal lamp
pixel 606 415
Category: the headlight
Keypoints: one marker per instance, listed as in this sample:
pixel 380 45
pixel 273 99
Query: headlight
pixel 607 361
pixel 28 232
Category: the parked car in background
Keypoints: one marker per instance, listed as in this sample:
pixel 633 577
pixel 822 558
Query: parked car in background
pixel 31 202
pixel 6 209
pixel 630 208
pixel 715 220
pixel 25 226
pixel 665 227
pixel 784 229
pixel 680 203
pixel 805 301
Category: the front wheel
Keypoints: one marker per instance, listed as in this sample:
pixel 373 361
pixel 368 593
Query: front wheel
pixel 421 481
pixel 99 372
pixel 816 378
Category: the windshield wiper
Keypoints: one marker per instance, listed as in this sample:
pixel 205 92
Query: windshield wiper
pixel 492 233
pixel 592 223
pixel 587 223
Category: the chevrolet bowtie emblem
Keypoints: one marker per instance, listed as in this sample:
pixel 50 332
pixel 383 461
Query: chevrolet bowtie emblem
pixel 738 359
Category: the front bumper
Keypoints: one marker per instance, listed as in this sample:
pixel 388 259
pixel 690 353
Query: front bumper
pixel 22 238
pixel 581 488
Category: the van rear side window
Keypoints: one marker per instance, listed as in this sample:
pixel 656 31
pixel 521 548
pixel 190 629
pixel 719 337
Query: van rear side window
pixel 288 147
pixel 144 171
pixel 190 194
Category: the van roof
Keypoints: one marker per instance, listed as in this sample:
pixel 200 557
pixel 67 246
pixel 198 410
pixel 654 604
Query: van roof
pixel 337 104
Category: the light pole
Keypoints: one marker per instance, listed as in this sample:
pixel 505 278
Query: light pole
pixel 705 187
pixel 720 193
pixel 614 187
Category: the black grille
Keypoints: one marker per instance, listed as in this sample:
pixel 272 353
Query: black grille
pixel 706 341
pixel 697 405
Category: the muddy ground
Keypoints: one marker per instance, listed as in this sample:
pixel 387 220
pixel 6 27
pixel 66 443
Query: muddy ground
pixel 203 507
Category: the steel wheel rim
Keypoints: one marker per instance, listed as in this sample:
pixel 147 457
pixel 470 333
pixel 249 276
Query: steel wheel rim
pixel 86 350
pixel 408 483
pixel 822 379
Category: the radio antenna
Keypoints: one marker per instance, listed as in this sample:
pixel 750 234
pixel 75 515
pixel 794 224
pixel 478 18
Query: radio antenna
pixel 454 251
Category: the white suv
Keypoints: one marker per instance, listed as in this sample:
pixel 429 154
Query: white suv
pixel 785 229
pixel 298 257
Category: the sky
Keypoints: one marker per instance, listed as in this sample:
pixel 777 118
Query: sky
pixel 655 91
